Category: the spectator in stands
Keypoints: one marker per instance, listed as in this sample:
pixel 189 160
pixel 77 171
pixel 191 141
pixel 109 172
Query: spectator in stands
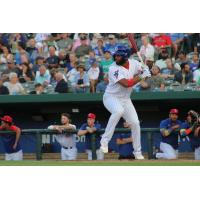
pixel 170 71
pixel 15 39
pixel 112 44
pixel 10 68
pixel 32 50
pixel 125 146
pixel 162 40
pixel 72 61
pixel 43 76
pixel 13 85
pixel 62 59
pixel 93 74
pixel 90 60
pixel 99 49
pixel 146 50
pixel 61 86
pixel 39 89
pixel 72 74
pixel 182 58
pixel 106 62
pixel 155 82
pixel 101 86
pixel 38 62
pixel 20 51
pixel 87 129
pixel 185 75
pixel 161 62
pixel 65 42
pixel 81 80
pixel 177 40
pixel 195 62
pixel 84 48
pixel 53 60
pixel 196 75
pixel 25 74
pixel 3 89
pixel 3 57
pixel 66 141
pixel 149 61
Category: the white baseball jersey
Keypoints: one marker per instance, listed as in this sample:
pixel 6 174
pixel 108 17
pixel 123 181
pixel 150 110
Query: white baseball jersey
pixel 66 140
pixel 117 73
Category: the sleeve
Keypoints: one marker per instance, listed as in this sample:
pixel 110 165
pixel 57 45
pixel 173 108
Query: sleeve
pixel 83 127
pixel 115 75
pixel 184 125
pixel 98 126
pixel 74 126
pixel 137 67
pixel 14 128
pixel 163 125
pixel 196 76
pixel 168 40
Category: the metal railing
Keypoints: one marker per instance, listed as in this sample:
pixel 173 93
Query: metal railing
pixel 39 132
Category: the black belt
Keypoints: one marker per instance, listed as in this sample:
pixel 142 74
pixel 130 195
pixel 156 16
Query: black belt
pixel 67 147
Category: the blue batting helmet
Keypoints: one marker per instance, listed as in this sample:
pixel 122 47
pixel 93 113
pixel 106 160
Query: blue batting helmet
pixel 122 51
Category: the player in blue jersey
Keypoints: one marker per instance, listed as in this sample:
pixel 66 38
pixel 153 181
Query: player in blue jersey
pixel 191 128
pixel 125 146
pixel 87 129
pixel 11 144
pixel 169 129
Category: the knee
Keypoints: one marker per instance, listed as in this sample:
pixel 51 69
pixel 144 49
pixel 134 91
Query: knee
pixel 119 112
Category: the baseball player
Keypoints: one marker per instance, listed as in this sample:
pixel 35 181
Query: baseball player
pixel 90 128
pixel 169 129
pixel 123 74
pixel 12 147
pixel 66 141
pixel 191 128
pixel 124 142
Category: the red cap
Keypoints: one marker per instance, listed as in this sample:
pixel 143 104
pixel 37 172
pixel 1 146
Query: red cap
pixel 91 115
pixel 7 119
pixel 174 111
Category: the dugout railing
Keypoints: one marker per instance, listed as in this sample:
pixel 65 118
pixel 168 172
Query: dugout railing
pixel 39 132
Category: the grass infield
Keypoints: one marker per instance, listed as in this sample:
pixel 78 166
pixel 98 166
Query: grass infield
pixel 101 163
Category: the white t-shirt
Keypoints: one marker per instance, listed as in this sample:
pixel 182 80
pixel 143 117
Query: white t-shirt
pixel 147 51
pixel 117 73
pixel 93 73
pixel 196 76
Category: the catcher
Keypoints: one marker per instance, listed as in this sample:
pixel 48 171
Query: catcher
pixel 191 128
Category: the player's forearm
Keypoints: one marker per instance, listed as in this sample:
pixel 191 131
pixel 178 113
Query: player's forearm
pixel 82 132
pixel 129 82
pixel 128 140
pixel 18 134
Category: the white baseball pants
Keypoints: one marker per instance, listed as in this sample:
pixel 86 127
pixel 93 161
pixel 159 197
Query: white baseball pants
pixel 68 154
pixel 100 154
pixel 14 156
pixel 121 107
pixel 168 152
pixel 197 153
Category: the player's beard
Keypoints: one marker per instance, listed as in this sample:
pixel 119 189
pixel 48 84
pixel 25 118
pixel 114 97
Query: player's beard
pixel 121 62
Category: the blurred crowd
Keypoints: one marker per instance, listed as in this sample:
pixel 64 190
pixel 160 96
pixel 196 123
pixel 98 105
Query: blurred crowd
pixel 79 62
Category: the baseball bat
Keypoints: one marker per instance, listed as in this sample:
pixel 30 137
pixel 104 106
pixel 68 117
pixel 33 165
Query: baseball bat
pixel 134 46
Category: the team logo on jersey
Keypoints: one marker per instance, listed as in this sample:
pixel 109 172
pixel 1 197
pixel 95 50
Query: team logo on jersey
pixel 116 73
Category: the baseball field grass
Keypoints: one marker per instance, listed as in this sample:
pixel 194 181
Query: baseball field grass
pixel 101 163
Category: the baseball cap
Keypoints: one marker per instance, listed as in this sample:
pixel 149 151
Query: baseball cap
pixel 92 116
pixel 111 36
pixel 7 119
pixel 150 58
pixel 174 111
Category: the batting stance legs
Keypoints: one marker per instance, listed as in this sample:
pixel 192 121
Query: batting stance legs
pixel 121 107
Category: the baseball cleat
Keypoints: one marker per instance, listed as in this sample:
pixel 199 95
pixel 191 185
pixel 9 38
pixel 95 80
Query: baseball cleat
pixel 104 149
pixel 139 157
